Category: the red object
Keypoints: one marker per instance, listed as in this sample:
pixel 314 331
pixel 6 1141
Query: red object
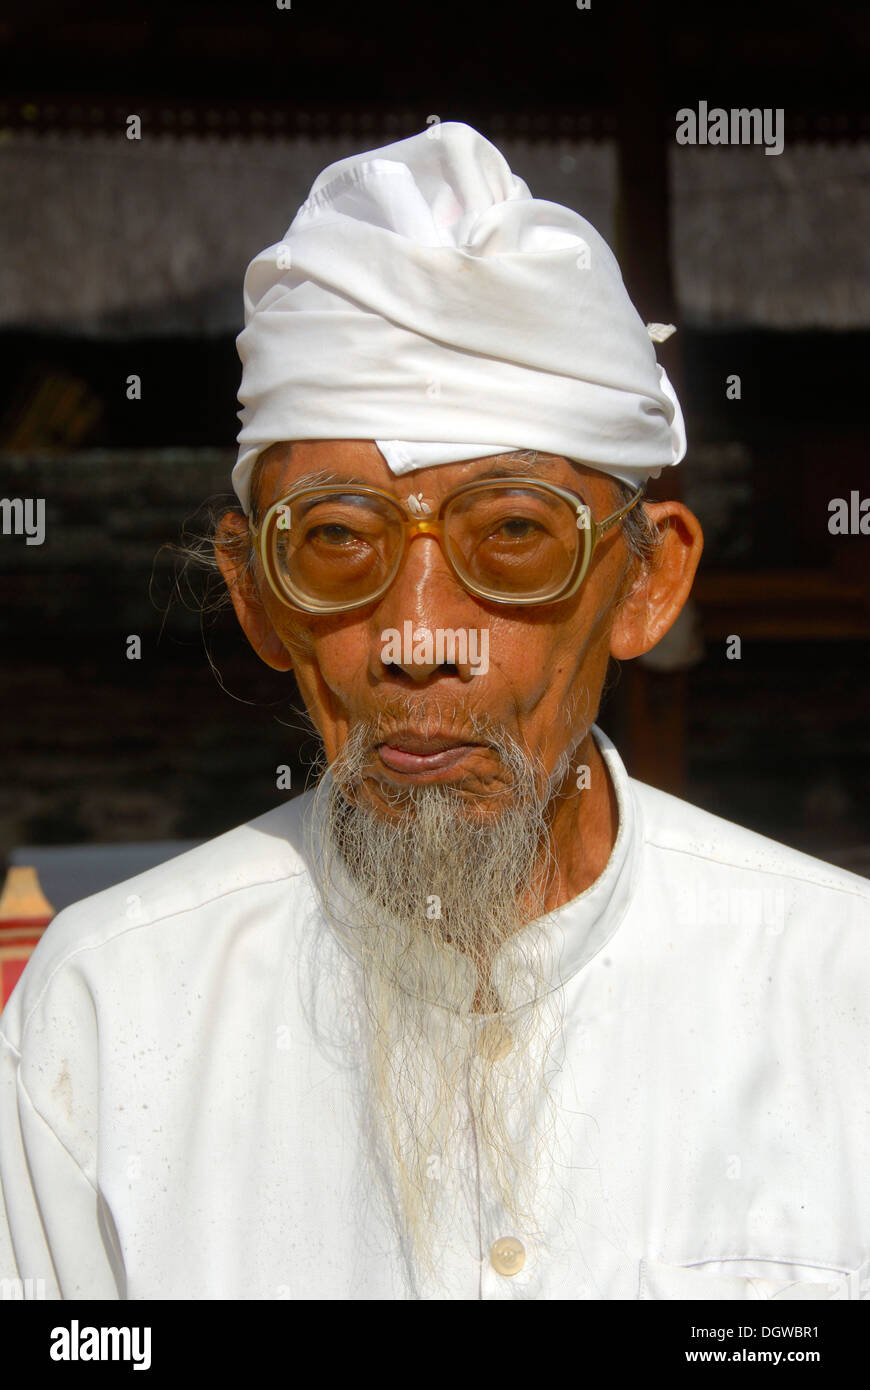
pixel 25 912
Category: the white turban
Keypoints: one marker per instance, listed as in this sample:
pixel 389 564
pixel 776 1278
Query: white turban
pixel 421 289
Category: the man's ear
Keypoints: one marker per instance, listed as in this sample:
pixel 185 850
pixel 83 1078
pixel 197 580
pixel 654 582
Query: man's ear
pixel 232 549
pixel 652 606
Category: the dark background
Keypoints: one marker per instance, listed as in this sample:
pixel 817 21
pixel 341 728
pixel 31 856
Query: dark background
pixel 97 748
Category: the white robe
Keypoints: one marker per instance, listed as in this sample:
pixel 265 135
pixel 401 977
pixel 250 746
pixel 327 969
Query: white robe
pixel 170 1126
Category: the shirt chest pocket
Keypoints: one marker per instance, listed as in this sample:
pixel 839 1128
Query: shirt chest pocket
pixel 739 1280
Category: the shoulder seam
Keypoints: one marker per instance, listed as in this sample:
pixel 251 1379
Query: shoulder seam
pixel 139 926
pixel 760 869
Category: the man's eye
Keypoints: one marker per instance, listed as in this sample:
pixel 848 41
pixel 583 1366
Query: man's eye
pixel 333 533
pixel 516 528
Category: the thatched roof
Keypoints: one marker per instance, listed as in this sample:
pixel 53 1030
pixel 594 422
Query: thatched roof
pixel 110 236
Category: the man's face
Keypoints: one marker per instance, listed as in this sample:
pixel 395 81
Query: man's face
pixel 546 665
pixel 452 853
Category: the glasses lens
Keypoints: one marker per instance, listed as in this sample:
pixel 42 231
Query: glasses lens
pixel 514 542
pixel 335 548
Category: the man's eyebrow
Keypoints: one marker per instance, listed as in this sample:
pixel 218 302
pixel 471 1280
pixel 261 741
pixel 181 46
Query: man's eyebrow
pixel 326 476
pixel 518 468
pixel 511 468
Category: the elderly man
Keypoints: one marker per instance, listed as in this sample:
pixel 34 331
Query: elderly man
pixel 479 1017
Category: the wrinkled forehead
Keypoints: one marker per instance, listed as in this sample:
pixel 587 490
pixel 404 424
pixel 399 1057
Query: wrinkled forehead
pixel 291 464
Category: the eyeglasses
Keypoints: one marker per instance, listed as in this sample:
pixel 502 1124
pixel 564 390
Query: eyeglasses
pixel 333 548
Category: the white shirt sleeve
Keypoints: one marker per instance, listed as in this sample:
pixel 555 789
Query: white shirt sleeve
pixel 55 1239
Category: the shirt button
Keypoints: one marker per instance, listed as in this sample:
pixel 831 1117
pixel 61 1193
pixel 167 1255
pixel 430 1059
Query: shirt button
pixel 507 1256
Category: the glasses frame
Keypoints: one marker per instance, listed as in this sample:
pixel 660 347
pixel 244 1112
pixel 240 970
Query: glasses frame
pixel 265 537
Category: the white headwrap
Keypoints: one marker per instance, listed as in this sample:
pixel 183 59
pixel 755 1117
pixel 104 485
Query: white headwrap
pixel 422 286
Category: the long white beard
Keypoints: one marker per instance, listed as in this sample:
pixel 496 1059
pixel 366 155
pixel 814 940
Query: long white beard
pixel 424 899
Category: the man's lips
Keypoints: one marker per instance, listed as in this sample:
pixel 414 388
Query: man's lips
pixel 409 754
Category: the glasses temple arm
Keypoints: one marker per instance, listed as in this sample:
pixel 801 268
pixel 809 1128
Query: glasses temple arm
pixel 605 526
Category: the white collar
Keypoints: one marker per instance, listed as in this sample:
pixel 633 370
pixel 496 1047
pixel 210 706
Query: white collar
pixel 572 934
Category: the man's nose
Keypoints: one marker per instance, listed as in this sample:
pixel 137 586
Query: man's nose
pixel 426 599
